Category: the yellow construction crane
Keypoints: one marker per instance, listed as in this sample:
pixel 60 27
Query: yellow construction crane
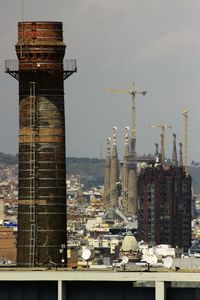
pixel 133 91
pixel 185 115
pixel 163 146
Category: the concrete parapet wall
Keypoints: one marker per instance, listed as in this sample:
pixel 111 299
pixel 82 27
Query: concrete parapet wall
pixel 71 285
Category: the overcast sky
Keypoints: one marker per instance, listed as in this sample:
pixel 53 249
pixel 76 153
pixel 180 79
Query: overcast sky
pixel 155 43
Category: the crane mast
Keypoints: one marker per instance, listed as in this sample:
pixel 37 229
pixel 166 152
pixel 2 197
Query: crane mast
pixel 133 117
pixel 133 92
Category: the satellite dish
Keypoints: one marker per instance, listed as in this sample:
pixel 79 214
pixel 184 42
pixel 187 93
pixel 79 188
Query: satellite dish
pixel 106 261
pixel 154 259
pixel 90 223
pixel 86 254
pixel 168 261
pixel 150 259
pixel 124 259
pixel 99 220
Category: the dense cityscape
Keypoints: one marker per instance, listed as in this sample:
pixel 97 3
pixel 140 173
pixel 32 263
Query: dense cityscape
pixel 95 225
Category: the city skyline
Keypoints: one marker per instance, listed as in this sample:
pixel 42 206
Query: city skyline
pixel 115 43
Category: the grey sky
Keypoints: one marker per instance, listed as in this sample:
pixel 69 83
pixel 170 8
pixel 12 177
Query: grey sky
pixel 155 43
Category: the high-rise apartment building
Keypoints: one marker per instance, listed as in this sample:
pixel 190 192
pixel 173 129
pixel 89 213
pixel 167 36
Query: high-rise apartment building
pixel 164 212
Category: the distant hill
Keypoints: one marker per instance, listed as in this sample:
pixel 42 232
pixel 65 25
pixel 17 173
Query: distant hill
pixel 91 170
pixel 8 158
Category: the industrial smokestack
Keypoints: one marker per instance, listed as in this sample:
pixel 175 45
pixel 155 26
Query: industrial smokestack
pixel 42 168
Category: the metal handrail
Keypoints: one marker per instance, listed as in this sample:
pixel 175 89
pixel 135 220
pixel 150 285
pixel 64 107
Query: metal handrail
pixel 69 64
pixel 12 65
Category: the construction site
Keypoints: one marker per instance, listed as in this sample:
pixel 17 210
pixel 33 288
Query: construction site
pixel 153 192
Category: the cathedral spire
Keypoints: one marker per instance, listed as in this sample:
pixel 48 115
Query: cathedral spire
pixel 180 155
pixel 114 172
pixel 107 174
pixel 174 152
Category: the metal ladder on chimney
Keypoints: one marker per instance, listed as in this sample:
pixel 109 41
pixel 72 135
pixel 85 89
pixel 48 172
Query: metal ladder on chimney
pixel 32 162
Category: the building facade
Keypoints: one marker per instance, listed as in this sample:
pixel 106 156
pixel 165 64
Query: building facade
pixel 164 212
